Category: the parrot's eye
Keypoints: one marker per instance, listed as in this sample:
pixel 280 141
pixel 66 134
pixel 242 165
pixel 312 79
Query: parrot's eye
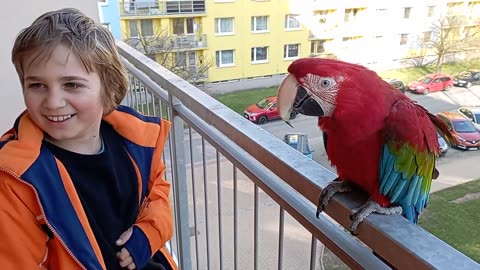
pixel 325 83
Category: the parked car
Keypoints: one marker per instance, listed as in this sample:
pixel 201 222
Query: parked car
pixel 466 136
pixel 472 113
pixel 264 111
pixel 397 84
pixel 467 78
pixel 443 144
pixel 431 83
pixel 299 141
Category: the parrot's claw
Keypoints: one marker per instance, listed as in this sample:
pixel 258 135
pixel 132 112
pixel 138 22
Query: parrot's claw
pixel 336 186
pixel 360 213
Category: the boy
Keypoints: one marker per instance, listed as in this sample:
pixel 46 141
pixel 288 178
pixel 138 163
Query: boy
pixel 80 176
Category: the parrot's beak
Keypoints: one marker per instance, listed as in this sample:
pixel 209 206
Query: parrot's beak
pixel 286 97
pixel 292 97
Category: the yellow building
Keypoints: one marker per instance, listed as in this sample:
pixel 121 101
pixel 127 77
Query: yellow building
pixel 240 44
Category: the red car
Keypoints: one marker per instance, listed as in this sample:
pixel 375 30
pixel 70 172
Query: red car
pixel 431 83
pixel 466 136
pixel 264 111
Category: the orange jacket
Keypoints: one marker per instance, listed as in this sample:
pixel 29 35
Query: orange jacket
pixel 36 193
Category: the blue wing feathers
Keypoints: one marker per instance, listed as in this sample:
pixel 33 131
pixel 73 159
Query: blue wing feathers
pixel 398 187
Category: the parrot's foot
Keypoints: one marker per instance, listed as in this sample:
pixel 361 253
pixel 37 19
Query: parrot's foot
pixel 360 213
pixel 336 186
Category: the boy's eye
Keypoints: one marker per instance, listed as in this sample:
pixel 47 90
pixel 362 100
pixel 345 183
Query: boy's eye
pixel 72 85
pixel 36 85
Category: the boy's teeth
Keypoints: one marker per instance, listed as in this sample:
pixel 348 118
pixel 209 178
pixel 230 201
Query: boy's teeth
pixel 59 118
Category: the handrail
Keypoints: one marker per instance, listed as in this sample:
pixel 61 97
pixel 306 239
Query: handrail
pixel 400 243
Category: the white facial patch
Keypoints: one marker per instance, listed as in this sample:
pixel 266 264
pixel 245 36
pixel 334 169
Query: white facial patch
pixel 323 90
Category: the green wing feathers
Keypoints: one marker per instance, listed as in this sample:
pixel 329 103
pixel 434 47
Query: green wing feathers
pixel 408 157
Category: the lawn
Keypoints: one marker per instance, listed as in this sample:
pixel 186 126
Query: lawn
pixel 453 215
pixel 239 100
pixel 409 74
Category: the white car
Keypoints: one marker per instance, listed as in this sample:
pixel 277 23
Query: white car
pixel 472 113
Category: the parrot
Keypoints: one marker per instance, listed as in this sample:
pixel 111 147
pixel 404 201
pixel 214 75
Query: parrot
pixel 377 138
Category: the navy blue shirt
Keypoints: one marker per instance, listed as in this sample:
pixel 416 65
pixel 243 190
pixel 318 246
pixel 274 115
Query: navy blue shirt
pixel 108 189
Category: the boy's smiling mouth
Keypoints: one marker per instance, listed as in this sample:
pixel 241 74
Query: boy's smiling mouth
pixel 59 118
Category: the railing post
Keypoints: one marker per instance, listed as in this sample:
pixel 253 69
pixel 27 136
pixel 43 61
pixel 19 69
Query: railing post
pixel 180 187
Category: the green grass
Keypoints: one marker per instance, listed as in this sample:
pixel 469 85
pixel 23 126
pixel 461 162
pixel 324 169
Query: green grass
pixel 409 74
pixel 455 223
pixel 239 100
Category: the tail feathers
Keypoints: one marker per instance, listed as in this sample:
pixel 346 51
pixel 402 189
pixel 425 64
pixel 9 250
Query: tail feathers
pixel 410 212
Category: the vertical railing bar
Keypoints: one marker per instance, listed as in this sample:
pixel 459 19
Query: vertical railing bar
pixel 281 231
pixel 135 85
pixel 160 108
pixel 219 203
pixel 194 196
pixel 180 186
pixel 235 219
pixel 129 92
pixel 154 105
pixel 313 253
pixel 147 103
pixel 255 231
pixel 205 194
pixel 172 175
pixel 143 102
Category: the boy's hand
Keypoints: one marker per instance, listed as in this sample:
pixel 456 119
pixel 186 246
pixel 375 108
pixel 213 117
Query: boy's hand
pixel 124 256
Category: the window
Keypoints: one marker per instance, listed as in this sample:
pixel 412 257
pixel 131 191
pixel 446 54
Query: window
pixel 259 54
pixel 181 59
pixel 147 28
pixel 350 14
pixel 224 26
pixel 106 25
pixel 427 36
pixel 224 58
pixel 291 22
pixel 403 39
pixel 406 12
pixel 291 51
pixel 317 47
pixel 185 59
pixel 259 24
pixel 182 26
pixel 133 28
pixel 321 16
pixel 431 11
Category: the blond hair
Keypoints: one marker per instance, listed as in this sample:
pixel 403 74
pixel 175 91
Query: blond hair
pixel 94 45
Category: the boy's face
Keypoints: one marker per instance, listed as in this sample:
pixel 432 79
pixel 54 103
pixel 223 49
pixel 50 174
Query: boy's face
pixel 63 99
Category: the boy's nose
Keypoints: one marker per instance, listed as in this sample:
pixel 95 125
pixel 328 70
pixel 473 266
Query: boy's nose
pixel 55 100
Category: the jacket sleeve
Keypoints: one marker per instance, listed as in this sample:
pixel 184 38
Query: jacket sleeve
pixel 154 225
pixel 24 243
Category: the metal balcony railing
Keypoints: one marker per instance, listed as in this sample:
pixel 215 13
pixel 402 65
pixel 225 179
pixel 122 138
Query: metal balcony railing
pixel 168 43
pixel 154 8
pixel 243 199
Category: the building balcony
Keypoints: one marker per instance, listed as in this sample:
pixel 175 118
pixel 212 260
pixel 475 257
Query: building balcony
pixel 161 8
pixel 168 43
pixel 243 199
pixel 322 32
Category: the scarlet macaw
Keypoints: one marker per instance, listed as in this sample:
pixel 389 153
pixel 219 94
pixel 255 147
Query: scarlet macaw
pixel 376 137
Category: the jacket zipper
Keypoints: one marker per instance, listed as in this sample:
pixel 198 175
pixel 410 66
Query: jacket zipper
pixel 43 213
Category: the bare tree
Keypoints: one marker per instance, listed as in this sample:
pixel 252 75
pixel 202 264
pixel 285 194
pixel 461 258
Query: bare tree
pixel 449 35
pixel 174 52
